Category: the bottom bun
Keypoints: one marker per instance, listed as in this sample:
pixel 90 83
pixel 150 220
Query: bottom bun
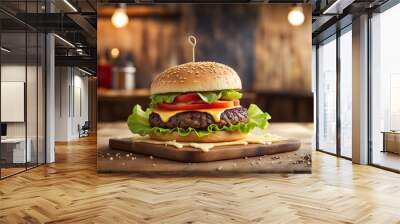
pixel 219 136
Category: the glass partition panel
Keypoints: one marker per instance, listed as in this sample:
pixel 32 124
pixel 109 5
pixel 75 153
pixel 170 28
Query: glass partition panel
pixel 41 86
pixel 32 97
pixel 22 67
pixel 15 151
pixel 327 96
pixel 32 101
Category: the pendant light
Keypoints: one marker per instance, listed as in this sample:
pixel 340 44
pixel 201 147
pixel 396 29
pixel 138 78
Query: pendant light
pixel 296 16
pixel 119 19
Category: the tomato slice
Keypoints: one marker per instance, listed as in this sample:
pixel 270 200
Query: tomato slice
pixel 236 102
pixel 195 106
pixel 188 97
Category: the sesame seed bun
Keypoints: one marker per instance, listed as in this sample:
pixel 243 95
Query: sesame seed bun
pixel 196 77
pixel 219 136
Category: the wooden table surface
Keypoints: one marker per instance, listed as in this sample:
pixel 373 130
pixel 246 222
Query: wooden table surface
pixel 109 160
pixel 71 191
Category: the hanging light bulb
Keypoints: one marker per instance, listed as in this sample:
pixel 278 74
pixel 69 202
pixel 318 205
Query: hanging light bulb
pixel 114 53
pixel 296 16
pixel 119 19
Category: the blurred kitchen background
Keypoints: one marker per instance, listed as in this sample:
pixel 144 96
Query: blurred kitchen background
pixel 268 45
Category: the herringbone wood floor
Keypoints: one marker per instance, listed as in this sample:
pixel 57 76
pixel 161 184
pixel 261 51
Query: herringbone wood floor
pixel 70 191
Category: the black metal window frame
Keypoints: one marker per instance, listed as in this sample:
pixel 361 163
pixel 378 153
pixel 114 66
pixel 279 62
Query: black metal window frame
pixel 382 8
pixel 44 77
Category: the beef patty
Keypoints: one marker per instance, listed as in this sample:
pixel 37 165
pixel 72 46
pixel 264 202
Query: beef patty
pixel 199 120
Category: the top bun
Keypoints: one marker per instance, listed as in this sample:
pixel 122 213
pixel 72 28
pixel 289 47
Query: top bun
pixel 196 77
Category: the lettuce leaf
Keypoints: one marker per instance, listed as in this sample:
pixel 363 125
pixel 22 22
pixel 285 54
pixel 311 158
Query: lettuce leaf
pixel 230 95
pixel 159 98
pixel 209 97
pixel 138 123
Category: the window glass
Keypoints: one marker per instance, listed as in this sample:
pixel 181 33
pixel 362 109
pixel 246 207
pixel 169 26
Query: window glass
pixel 327 96
pixel 385 84
pixel 346 94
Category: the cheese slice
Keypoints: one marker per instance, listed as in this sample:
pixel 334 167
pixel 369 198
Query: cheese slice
pixel 215 113
pixel 265 138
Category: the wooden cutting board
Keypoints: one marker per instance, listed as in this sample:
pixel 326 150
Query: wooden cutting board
pixel 189 154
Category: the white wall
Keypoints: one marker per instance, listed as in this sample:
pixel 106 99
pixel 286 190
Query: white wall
pixel 13 73
pixel 81 100
pixel 62 81
pixel 71 93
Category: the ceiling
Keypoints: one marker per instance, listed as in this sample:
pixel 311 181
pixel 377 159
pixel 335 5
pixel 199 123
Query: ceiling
pixel 76 22
pixel 202 1
pixel 72 20
pixel 330 15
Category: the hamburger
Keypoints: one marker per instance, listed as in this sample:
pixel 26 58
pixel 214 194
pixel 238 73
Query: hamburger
pixel 196 102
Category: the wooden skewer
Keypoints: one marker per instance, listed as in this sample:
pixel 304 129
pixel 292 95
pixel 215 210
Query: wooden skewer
pixel 192 41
